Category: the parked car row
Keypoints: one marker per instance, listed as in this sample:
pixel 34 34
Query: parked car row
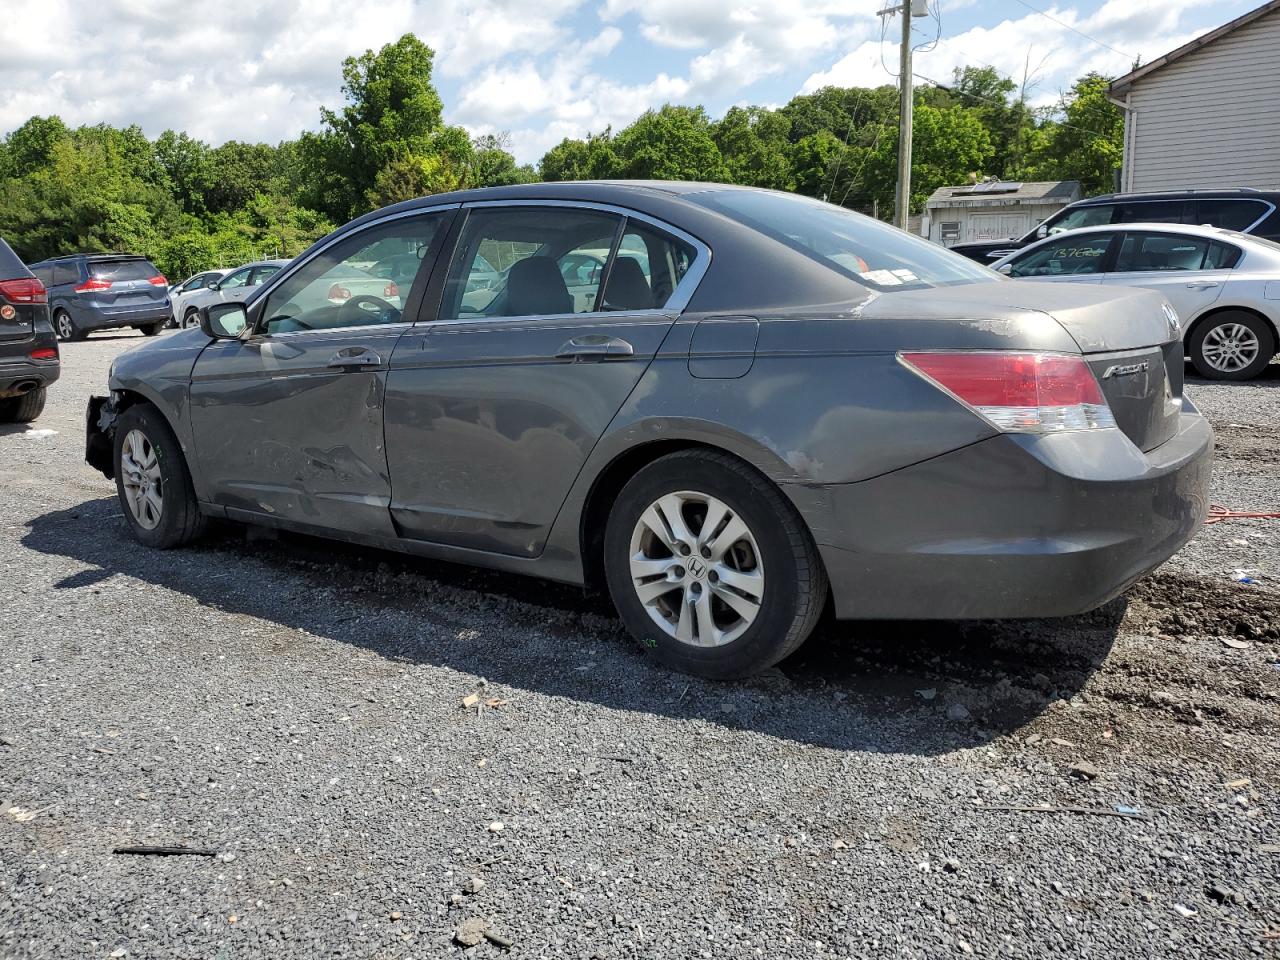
pixel 1255 212
pixel 1223 285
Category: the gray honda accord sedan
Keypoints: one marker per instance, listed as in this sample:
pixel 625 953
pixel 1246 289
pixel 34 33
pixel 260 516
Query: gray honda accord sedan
pixel 729 407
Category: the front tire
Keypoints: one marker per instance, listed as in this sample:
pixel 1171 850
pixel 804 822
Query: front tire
pixel 191 320
pixel 1232 345
pixel 710 567
pixel 153 482
pixel 23 409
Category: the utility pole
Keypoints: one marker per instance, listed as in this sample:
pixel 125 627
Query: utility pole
pixel 902 199
pixel 902 195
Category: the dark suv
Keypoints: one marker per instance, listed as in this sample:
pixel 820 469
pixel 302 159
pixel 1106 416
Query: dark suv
pixel 28 350
pixel 99 291
pixel 1248 211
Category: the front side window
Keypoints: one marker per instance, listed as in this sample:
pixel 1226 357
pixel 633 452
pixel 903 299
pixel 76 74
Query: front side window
pixel 528 262
pixel 261 274
pixel 341 286
pixel 868 251
pixel 238 279
pixel 1095 216
pixel 1153 211
pixel 1157 252
pixel 1069 256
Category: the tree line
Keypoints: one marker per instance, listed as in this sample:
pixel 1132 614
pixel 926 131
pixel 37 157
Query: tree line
pixel 190 206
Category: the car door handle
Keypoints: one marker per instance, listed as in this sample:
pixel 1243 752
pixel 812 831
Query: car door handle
pixel 354 358
pixel 584 349
pixel 1202 284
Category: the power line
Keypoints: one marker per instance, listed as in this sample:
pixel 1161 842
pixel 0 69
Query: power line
pixel 1074 30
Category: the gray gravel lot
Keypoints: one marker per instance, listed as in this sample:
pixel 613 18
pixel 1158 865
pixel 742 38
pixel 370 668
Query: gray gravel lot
pixel 297 707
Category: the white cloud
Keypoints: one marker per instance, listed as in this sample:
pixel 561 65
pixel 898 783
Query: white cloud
pixel 1051 54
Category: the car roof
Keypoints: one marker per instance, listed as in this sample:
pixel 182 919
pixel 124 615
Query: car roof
pixel 1190 229
pixel 1224 193
pixel 95 256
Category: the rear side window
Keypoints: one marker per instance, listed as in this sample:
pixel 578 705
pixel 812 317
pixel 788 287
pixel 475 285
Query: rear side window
pixel 1069 256
pixel 117 271
pixel 1151 252
pixel 872 253
pixel 66 273
pixel 649 266
pixel 1229 214
pixel 1221 256
pixel 529 262
pixel 45 274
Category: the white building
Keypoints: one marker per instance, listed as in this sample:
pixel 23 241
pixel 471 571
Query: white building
pixel 993 210
pixel 1207 115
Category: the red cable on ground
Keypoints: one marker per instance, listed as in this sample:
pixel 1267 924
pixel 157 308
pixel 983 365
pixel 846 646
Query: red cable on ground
pixel 1217 514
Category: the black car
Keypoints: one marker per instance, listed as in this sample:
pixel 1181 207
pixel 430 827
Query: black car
pixel 101 291
pixel 1244 210
pixel 28 348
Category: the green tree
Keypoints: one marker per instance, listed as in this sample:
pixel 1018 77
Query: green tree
pixel 948 145
pixel 1084 141
pixel 753 142
pixel 30 147
pixel 188 167
pixel 673 143
pixel 392 121
pixel 590 159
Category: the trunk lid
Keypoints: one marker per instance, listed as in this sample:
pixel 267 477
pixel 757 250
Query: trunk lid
pixel 1130 343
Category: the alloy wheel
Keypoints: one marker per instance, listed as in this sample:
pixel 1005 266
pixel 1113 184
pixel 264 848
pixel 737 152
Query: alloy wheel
pixel 66 329
pixel 191 321
pixel 1230 347
pixel 697 569
pixel 140 476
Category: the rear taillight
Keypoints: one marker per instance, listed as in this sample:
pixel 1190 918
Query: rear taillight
pixel 339 292
pixel 390 290
pixel 1019 392
pixel 158 281
pixel 24 290
pixel 93 283
pixel 44 353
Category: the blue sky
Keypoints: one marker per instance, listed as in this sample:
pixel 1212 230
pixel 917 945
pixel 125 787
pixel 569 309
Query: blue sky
pixel 538 71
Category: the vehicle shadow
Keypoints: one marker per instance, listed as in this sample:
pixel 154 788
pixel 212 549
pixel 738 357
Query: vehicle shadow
pixel 922 688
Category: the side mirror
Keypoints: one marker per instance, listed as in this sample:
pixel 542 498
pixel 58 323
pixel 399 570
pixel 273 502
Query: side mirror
pixel 1005 268
pixel 223 321
pixel 212 285
pixel 1042 231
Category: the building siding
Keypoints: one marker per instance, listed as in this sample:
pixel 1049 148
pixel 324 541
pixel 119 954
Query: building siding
pixel 1210 119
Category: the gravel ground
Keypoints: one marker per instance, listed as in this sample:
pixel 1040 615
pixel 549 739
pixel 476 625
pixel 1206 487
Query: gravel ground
pixel 297 707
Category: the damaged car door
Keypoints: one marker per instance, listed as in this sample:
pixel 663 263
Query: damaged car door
pixel 288 419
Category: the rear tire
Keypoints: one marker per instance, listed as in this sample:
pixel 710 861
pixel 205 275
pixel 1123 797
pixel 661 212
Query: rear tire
pixel 22 409
pixel 715 607
pixel 151 329
pixel 66 328
pixel 1232 345
pixel 191 320
pixel 153 482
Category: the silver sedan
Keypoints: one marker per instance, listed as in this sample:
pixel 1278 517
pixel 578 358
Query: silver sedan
pixel 1225 286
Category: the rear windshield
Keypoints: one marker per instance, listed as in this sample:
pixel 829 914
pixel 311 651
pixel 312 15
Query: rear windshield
pixel 868 251
pixel 117 270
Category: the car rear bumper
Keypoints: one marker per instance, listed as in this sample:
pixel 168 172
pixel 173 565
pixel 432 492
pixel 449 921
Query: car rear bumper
pixel 1016 526
pixel 102 318
pixel 16 377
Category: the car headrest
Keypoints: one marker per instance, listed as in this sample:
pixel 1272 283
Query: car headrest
pixel 535 288
pixel 628 287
